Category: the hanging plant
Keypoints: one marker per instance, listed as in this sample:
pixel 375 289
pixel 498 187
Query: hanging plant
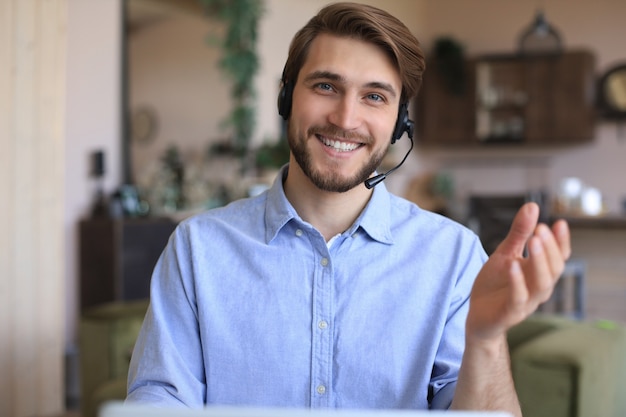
pixel 239 62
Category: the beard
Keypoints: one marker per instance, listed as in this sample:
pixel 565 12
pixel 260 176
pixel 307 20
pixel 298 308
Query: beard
pixel 327 180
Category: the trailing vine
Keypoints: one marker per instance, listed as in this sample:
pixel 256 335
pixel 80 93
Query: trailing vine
pixel 239 62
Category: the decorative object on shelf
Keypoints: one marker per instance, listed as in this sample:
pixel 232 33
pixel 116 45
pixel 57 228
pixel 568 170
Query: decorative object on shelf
pixel 130 203
pixel 540 37
pixel 612 92
pixel 449 61
pixel 433 191
pixel 174 172
pixel 181 184
pixel 97 171
pixel 575 198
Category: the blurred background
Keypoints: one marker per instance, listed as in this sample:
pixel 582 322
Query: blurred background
pixel 118 118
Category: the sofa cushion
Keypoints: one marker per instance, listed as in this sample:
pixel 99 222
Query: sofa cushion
pixel 580 366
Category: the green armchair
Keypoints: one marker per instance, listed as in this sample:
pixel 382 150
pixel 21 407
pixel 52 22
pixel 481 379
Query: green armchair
pixel 107 335
pixel 567 368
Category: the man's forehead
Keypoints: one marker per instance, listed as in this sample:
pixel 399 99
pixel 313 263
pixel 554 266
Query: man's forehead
pixel 347 59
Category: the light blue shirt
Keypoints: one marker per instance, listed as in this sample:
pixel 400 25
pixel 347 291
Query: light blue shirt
pixel 249 306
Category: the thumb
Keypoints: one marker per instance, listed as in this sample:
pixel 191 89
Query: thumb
pixel 522 228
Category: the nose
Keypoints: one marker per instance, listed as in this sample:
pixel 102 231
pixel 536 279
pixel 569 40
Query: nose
pixel 346 113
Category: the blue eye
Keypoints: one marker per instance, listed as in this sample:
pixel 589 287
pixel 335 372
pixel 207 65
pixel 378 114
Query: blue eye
pixel 324 86
pixel 375 97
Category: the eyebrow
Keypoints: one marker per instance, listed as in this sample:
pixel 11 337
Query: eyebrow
pixel 327 75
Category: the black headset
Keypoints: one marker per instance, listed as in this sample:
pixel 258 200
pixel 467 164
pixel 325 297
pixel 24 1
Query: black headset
pixel 403 123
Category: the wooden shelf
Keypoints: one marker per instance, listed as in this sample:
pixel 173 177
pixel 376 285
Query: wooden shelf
pixel 535 101
pixel 594 222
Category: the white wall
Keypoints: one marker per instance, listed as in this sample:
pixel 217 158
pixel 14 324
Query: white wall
pixel 93 121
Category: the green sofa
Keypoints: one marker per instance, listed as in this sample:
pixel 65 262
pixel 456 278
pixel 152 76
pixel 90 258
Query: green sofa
pixel 107 334
pixel 566 368
pixel 561 367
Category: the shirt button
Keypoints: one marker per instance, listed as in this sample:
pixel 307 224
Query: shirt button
pixel 299 232
pixel 321 389
pixel 324 261
pixel 322 324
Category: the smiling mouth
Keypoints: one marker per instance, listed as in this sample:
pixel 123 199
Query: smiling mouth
pixel 339 146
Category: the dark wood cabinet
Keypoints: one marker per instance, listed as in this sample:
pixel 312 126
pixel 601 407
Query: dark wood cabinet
pixel 444 116
pixel 117 257
pixel 534 100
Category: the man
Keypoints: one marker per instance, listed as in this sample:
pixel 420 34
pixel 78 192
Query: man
pixel 323 292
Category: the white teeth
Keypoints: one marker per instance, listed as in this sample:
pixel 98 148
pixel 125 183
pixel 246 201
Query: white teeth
pixel 340 146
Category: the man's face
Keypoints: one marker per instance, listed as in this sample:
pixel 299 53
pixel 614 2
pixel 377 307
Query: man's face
pixel 345 105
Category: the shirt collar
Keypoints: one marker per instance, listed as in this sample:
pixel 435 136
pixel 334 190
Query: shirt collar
pixel 375 219
pixel 278 210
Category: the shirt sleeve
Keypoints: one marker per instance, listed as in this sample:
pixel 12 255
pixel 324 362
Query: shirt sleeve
pixel 470 258
pixel 167 367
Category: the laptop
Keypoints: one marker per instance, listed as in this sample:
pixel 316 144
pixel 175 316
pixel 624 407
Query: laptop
pixel 119 409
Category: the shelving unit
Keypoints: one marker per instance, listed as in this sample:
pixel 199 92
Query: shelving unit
pixel 513 99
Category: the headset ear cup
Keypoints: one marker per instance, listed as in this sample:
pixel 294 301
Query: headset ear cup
pixel 284 100
pixel 403 124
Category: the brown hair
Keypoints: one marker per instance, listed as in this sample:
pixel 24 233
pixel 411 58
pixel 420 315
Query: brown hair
pixel 369 24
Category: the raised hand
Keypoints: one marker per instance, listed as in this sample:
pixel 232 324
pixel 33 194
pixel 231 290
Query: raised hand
pixel 510 286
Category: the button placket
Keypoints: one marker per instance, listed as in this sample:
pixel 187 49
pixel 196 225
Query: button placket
pixel 322 338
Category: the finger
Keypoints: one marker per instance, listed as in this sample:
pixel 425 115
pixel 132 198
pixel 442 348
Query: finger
pixel 519 289
pixel 552 250
pixel 539 277
pixel 561 231
pixel 522 228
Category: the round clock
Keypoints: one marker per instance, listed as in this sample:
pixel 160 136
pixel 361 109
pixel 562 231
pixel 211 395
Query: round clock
pixel 143 125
